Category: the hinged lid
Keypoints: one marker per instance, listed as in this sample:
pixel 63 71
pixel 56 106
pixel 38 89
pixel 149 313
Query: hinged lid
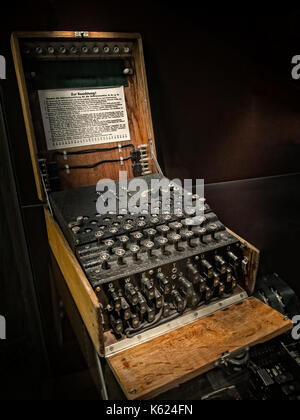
pixel 60 75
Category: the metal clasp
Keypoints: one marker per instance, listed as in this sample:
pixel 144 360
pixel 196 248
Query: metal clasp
pixel 234 361
pixel 245 265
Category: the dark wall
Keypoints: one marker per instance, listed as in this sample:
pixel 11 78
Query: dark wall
pixel 23 358
pixel 224 105
pixel 265 211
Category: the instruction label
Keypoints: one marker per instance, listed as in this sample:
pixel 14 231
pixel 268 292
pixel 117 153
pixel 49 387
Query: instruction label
pixel 74 118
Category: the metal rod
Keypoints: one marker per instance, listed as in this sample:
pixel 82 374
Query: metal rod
pixel 104 392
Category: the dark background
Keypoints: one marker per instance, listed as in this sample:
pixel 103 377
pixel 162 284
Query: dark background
pixel 225 108
pixel 224 104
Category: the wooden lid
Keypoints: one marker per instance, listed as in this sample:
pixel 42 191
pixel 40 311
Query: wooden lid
pixel 136 96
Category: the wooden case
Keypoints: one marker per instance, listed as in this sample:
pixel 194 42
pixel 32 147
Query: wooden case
pixel 183 352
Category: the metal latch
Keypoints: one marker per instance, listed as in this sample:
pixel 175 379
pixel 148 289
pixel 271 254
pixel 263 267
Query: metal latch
pixel 234 361
pixel 245 265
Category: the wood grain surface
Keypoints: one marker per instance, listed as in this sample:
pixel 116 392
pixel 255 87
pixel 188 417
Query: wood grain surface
pixel 253 256
pixel 82 293
pixel 137 104
pixel 156 366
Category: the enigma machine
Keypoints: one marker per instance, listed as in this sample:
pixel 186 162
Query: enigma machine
pixel 163 295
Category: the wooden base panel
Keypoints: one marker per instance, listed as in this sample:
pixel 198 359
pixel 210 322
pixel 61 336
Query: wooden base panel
pixel 154 367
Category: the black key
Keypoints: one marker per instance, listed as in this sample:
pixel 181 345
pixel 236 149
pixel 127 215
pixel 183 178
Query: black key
pixel 162 243
pixel 104 258
pixel 135 249
pixel 120 253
